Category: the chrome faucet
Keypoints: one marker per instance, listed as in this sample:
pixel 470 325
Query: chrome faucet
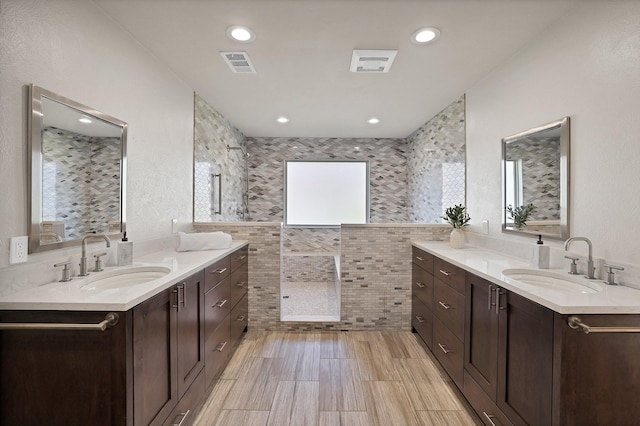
pixel 83 259
pixel 590 268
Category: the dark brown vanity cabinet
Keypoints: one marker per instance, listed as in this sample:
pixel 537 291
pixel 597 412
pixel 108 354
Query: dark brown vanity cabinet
pixel 150 368
pixel 168 349
pixel 508 355
pixel 422 295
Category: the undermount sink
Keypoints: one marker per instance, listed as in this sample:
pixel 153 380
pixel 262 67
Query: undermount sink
pixel 126 277
pixel 542 279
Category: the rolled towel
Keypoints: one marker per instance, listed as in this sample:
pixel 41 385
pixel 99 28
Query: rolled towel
pixel 203 241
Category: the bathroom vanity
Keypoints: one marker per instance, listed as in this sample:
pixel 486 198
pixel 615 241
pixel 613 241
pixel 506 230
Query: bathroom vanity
pixel 163 345
pixel 522 355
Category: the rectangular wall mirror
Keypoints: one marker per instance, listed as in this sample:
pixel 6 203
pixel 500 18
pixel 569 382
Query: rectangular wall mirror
pixel 77 171
pixel 535 166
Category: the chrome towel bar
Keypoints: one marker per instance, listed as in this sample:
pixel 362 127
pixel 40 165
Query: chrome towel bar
pixel 575 322
pixel 109 320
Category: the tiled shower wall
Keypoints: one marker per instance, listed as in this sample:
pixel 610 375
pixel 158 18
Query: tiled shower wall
pixel 375 272
pixel 388 177
pixel 81 181
pixel 212 133
pixel 436 164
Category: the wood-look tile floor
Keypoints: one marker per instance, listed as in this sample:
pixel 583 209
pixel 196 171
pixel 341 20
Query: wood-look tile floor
pixel 325 379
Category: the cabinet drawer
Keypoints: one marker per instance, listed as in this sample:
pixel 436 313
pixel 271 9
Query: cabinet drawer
pixel 449 274
pixel 422 285
pixel 484 406
pixel 217 305
pixel 215 273
pixel 422 321
pixel 449 350
pixel 217 350
pixel 185 412
pixel 422 259
pixel 238 285
pixel 239 257
pixel 448 306
pixel 239 319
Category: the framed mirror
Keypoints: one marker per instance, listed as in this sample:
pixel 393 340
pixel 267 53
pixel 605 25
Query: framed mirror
pixel 77 171
pixel 535 171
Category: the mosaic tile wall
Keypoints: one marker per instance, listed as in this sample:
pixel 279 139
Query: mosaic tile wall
pixel 212 133
pixel 375 270
pixel 264 268
pixel 540 175
pixel 388 177
pixel 436 163
pixel 308 268
pixel 81 181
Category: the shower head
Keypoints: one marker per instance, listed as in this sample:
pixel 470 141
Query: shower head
pixel 244 153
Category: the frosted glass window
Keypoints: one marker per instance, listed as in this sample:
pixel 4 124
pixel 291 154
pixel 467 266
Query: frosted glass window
pixel 326 193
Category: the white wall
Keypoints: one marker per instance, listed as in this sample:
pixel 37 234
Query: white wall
pixel 586 66
pixel 72 48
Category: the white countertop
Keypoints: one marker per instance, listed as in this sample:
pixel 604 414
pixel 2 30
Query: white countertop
pixel 70 296
pixel 489 264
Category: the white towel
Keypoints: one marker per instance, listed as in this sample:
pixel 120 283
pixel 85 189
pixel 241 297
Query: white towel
pixel 203 241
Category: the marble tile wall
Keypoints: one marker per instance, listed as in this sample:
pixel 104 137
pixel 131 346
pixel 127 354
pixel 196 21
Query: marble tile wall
pixel 436 164
pixel 81 181
pixel 212 133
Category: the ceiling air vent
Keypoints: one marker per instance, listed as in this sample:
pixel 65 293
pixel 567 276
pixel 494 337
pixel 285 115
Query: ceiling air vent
pixel 239 62
pixel 375 61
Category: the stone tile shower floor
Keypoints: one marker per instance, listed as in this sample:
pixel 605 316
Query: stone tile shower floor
pixel 309 301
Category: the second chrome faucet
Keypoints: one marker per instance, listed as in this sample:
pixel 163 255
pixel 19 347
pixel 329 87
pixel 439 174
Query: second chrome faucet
pixel 83 259
pixel 591 270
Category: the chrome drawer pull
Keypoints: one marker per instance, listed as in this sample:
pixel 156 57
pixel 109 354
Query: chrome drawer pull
pixel 444 305
pixel 180 418
pixel 444 348
pixel 219 271
pixel 220 304
pixel 489 417
pixel 240 318
pixel 446 273
pixel 420 259
pixel 420 284
pixel 489 304
pixel 241 284
pixel 420 319
pixel 241 257
pixel 221 346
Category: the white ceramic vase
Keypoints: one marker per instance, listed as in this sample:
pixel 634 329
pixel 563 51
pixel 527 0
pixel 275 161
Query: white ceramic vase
pixel 456 238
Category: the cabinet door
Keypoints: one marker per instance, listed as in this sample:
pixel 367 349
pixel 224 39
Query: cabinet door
pixel 190 313
pixel 155 358
pixel 481 334
pixel 525 360
pixel 598 373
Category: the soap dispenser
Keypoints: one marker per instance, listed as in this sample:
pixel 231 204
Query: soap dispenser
pixel 540 255
pixel 125 251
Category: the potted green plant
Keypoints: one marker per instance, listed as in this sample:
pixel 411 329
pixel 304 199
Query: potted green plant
pixel 520 215
pixel 457 217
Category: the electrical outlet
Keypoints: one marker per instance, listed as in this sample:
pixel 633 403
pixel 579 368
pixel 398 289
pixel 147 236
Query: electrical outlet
pixel 174 226
pixel 18 250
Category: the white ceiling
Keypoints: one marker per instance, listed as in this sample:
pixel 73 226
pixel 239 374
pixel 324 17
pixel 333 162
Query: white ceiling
pixel 302 53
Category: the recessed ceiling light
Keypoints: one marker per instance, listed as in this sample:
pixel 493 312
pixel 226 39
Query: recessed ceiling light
pixel 242 34
pixel 84 120
pixel 425 35
pixel 373 120
pixel 282 120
